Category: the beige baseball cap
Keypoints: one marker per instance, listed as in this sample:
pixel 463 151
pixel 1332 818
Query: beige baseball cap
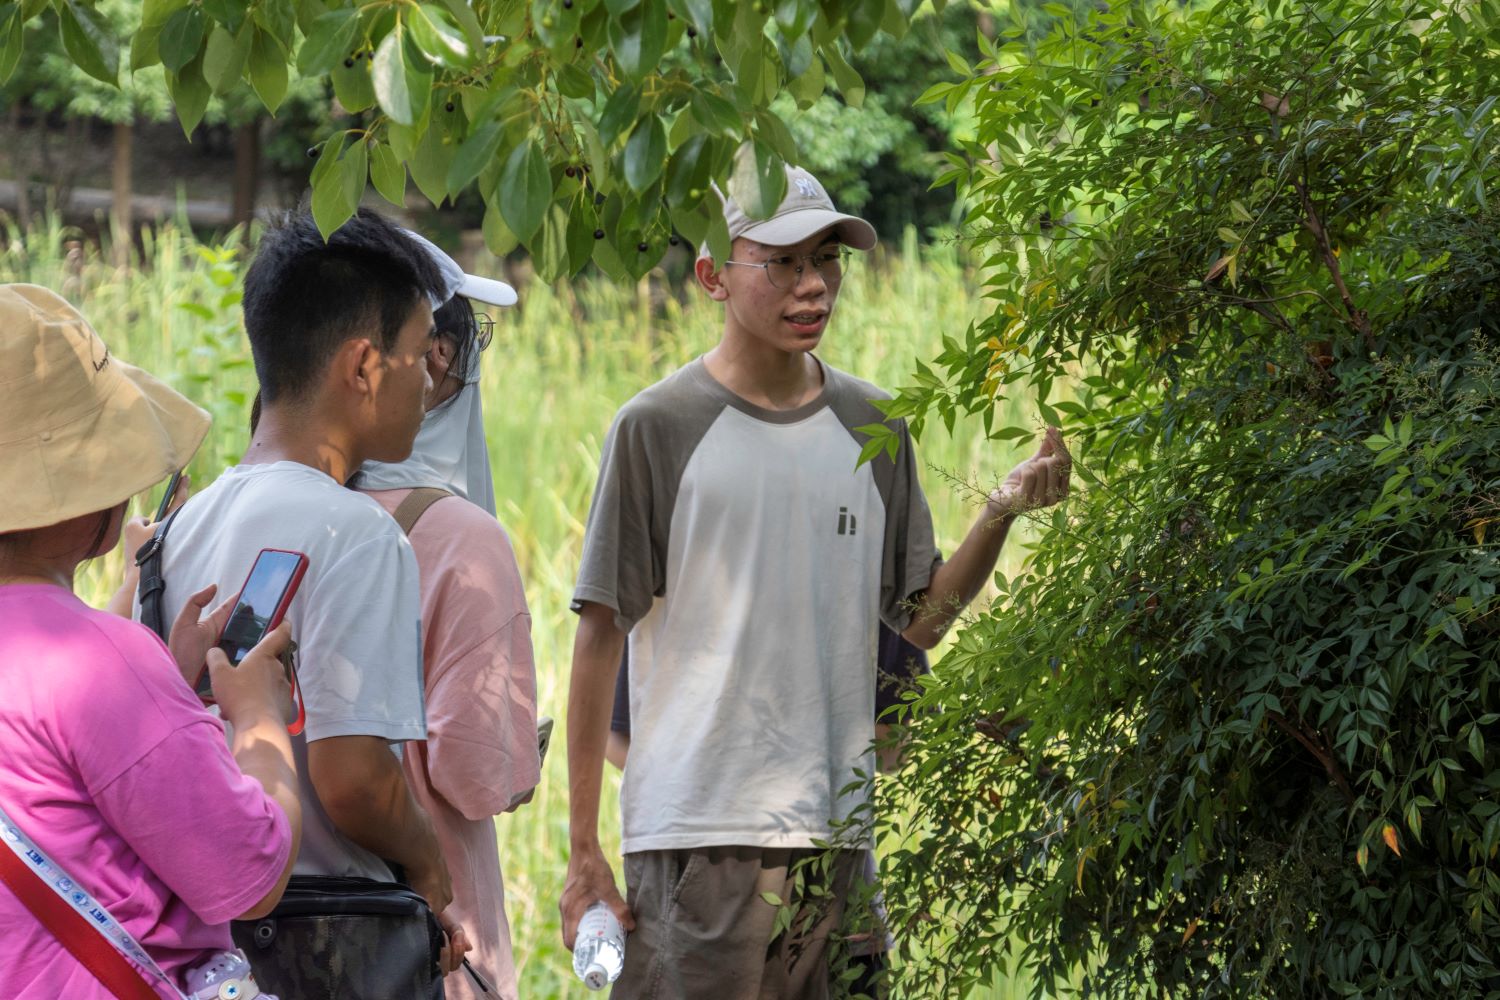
pixel 80 430
pixel 805 211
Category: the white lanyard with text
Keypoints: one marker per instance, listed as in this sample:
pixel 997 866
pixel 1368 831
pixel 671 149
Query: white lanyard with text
pixel 98 917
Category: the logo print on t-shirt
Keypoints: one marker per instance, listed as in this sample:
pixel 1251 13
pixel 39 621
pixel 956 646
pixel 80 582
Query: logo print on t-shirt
pixel 846 520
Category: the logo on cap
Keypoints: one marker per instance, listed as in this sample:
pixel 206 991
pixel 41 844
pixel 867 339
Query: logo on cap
pixel 806 187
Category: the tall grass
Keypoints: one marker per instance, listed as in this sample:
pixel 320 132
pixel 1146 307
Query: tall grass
pixel 562 362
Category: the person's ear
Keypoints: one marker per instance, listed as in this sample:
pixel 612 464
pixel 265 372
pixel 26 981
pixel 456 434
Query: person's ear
pixel 440 358
pixel 355 363
pixel 711 280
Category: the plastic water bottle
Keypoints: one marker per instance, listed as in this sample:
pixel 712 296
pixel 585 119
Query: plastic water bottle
pixel 599 949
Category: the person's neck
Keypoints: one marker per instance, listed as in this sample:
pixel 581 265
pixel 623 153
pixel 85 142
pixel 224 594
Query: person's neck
pixel 763 375
pixel 55 575
pixel 298 434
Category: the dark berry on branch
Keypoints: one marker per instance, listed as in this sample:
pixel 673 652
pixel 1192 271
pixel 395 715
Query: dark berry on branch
pixel 643 246
pixel 312 151
pixel 598 234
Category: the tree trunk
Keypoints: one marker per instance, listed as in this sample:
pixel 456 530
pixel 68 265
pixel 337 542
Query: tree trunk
pixel 19 155
pixel 121 218
pixel 246 174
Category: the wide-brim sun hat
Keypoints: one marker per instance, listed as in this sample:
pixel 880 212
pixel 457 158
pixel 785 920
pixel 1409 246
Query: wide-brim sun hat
pixel 805 210
pixel 80 430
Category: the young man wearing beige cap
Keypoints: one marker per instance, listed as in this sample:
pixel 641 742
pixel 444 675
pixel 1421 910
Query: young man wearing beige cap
pixel 747 554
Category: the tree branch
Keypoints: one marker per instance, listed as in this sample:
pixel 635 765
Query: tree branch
pixel 1358 318
pixel 1318 749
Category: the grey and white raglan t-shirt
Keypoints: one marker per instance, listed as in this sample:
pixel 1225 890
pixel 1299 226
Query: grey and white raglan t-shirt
pixel 749 556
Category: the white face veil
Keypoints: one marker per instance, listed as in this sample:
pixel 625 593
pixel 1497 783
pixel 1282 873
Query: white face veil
pixel 450 451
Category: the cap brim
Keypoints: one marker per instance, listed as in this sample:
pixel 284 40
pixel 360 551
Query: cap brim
pixel 794 227
pixel 496 293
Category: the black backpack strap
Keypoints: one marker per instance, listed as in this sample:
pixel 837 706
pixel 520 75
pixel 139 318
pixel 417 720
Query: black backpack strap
pixel 152 583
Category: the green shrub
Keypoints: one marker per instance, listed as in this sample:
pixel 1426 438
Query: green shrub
pixel 1235 731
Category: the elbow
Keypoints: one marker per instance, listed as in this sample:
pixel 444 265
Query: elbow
pixel 923 636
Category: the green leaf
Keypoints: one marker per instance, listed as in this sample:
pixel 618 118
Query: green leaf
pixel 716 114
pixel 638 39
pixel 90 43
pixel 759 180
pixel 429 166
pixel 190 93
pixel 497 235
pixel 336 192
pixel 849 82
pixel 773 131
pixel 525 189
pixel 550 248
pixel 401 87
pixel 439 40
pixel 771 898
pixel 864 21
pixel 180 38
pixel 224 58
pixel 229 13
pixel 619 113
pixel 388 174
pixel 580 236
pixel 574 81
pixel 687 172
pixel 692 222
pixel 11 41
pixel 353 85
pixel 268 69
pixel 477 150
pixel 645 153
pixel 464 16
pixel 332 40
pixel 807 88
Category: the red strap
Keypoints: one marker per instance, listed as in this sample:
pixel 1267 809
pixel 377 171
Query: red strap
pixel 72 930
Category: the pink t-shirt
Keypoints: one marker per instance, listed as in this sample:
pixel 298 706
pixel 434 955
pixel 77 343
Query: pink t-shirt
pixel 480 755
pixel 111 764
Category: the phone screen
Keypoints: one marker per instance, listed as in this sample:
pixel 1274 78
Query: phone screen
pixel 264 590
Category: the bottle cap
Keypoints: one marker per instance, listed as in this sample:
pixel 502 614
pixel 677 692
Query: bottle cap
pixel 597 977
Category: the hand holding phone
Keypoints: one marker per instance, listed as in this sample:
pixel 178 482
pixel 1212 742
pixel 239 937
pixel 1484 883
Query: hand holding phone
pixel 260 607
pixel 258 687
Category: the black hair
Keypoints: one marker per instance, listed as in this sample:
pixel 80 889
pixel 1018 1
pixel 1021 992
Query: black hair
pixel 304 297
pixel 456 324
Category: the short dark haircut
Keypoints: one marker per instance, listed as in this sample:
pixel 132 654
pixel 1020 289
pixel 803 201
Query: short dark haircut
pixel 457 324
pixel 304 297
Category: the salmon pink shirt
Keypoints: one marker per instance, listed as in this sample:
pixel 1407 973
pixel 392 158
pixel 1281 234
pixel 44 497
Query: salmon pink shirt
pixel 112 765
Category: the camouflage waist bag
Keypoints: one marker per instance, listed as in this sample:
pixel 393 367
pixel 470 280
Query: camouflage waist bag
pixel 333 938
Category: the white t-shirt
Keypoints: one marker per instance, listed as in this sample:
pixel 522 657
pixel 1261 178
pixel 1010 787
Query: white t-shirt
pixel 750 557
pixel 356 618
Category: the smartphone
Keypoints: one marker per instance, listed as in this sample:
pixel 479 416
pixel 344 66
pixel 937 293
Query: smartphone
pixel 543 737
pixel 259 608
pixel 166 498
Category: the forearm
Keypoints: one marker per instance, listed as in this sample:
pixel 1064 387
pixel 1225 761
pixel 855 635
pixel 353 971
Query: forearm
pixel 263 751
pixel 364 792
pixel 123 601
pixel 959 580
pixel 596 658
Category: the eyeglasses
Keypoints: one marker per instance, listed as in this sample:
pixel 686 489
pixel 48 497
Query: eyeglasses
pixel 484 329
pixel 785 272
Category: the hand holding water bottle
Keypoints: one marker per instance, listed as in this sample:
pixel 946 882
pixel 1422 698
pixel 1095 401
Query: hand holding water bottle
pixel 599 947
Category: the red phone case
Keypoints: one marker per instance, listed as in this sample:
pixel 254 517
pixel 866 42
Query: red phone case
pixel 271 623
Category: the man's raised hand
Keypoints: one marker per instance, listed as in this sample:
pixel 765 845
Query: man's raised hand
pixel 1040 481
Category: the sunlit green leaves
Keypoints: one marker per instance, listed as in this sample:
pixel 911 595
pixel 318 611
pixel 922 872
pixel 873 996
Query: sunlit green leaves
pixel 388 174
pixel 11 40
pixel 268 69
pixel 402 85
pixel 331 42
pixel 338 182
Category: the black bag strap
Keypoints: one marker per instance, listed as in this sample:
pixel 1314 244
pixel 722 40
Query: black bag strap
pixel 152 583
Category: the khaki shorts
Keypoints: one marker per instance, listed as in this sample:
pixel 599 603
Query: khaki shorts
pixel 704 931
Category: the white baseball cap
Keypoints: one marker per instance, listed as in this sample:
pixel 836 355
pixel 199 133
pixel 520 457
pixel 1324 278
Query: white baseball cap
pixel 805 211
pixel 457 282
